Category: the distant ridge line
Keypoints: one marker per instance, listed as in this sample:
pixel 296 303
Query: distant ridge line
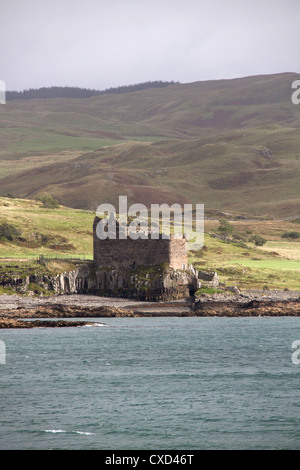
pixel 77 92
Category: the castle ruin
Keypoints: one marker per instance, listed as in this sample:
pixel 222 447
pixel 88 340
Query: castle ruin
pixel 129 253
pixel 142 268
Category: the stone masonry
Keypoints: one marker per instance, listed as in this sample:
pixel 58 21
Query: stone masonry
pixel 131 253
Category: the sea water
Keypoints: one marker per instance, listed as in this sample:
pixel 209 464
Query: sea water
pixel 152 383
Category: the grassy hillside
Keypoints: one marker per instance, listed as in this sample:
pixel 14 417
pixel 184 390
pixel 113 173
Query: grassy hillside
pixel 229 144
pixel 275 265
pixel 61 232
pixel 235 171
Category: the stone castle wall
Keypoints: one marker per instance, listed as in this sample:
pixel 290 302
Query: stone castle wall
pixel 131 253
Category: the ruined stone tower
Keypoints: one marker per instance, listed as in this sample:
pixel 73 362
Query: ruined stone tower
pixel 145 269
pixel 129 253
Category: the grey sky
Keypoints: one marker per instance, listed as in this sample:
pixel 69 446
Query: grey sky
pixel 104 43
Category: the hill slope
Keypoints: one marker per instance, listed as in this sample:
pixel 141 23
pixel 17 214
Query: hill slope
pixel 230 144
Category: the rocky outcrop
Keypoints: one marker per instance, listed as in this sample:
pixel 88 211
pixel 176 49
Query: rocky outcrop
pixel 15 323
pixel 249 303
pixel 207 307
pixel 59 310
pixel 143 283
pixel 14 312
pixel 36 283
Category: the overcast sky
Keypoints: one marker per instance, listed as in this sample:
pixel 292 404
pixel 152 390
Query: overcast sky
pixel 106 43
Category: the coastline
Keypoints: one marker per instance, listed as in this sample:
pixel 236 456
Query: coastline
pixel 15 311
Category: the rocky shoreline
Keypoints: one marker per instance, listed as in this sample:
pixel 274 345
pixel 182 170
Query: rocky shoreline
pixel 15 311
pixel 16 323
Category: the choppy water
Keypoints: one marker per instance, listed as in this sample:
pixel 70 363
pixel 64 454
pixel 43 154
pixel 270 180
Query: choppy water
pixel 152 383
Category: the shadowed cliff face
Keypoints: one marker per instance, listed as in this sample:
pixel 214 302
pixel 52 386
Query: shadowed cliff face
pixel 148 283
pixel 43 284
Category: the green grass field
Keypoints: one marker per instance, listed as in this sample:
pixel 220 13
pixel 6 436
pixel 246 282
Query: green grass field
pixel 248 266
pixel 69 230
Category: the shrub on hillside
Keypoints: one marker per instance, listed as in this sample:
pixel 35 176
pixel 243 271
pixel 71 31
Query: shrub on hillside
pixel 292 235
pixel 48 201
pixel 9 232
pixel 225 228
pixel 257 240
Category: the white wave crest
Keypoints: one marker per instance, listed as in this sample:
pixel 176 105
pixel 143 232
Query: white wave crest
pixel 54 431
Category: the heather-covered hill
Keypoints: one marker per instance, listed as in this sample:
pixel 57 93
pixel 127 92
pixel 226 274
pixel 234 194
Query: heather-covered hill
pixel 229 144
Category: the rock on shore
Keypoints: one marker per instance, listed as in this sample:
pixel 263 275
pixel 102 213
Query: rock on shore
pixel 16 323
pixel 252 308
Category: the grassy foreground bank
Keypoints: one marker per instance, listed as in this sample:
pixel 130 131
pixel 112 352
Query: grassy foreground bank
pixel 65 233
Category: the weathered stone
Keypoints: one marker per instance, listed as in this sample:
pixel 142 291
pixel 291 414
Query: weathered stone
pixel 15 323
pixel 233 289
pixel 143 268
pixel 146 283
pixel 209 278
pixel 128 253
